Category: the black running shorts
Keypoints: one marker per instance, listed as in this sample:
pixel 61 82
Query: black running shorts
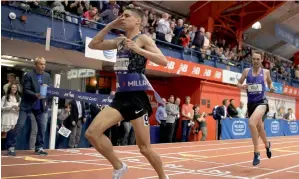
pixel 252 106
pixel 132 105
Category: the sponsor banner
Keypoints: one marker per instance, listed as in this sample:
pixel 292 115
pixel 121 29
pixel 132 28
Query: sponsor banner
pixel 278 87
pixel 186 68
pixel 231 77
pixel 80 73
pixel 235 129
pixel 292 91
pixel 273 127
pixel 80 96
pixel 105 55
pixel 291 128
pixel 238 128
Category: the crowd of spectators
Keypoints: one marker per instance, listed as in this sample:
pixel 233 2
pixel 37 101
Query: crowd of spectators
pixel 163 27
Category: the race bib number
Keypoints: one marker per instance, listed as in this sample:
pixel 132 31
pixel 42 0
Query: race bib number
pixel 146 120
pixel 121 64
pixel 64 132
pixel 255 88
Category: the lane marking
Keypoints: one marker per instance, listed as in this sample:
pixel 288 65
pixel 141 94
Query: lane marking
pixel 233 164
pixel 277 171
pixel 204 143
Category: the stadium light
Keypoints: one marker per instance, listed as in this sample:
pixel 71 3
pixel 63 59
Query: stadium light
pixel 257 25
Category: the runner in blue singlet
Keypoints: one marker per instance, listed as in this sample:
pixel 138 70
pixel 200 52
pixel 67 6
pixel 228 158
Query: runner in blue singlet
pixel 130 102
pixel 257 106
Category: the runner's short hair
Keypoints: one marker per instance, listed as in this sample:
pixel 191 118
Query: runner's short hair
pixel 137 10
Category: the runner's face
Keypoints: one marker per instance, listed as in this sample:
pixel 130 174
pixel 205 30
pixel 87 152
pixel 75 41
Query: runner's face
pixel 256 60
pixel 129 20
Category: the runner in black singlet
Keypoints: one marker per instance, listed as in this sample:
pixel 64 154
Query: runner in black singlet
pixel 134 106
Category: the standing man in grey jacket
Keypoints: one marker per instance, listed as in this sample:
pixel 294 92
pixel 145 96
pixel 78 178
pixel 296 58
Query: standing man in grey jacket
pixel 172 112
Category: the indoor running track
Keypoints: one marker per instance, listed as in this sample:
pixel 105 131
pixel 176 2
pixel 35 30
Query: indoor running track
pixel 192 160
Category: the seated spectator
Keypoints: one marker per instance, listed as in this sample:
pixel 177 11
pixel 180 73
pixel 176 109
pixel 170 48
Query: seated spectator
pixel 290 116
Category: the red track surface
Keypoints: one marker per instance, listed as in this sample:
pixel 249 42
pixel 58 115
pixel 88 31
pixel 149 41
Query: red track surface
pixel 193 160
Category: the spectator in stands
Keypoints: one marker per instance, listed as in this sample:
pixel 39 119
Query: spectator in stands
pixel 177 119
pixel 151 33
pixel 163 27
pixel 76 121
pixel 172 111
pixel 152 19
pixel 192 31
pixel 221 114
pixel 241 111
pixel 177 32
pixel 198 42
pixel 290 116
pixel 91 15
pixel 169 37
pixel 10 107
pixel 184 38
pixel 161 116
pixel 231 109
pixel 74 8
pixel 11 78
pixel 26 5
pixel 111 13
pixel 187 118
pixel 297 72
pixel 32 102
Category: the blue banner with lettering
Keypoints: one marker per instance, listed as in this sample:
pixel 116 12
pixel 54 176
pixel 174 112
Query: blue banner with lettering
pixel 238 128
pixel 235 129
pixel 278 88
pixel 283 33
pixel 274 127
pixel 291 128
pixel 100 99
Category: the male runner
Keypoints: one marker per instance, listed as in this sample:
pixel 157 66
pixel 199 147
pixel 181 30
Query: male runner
pixel 257 106
pixel 133 50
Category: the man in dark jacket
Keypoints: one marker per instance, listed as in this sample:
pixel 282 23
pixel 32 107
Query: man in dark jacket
pixel 198 42
pixel 231 109
pixel 221 113
pixel 32 102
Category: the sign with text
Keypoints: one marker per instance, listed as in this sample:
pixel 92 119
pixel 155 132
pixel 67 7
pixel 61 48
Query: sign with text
pixel 105 55
pixel 186 68
pixel 231 77
pixel 291 91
